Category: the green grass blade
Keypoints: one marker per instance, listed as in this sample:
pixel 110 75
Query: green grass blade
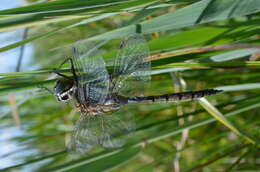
pixel 44 35
pixel 225 153
pixel 220 117
pixel 254 64
pixel 100 163
pixel 237 54
pixel 15 22
pixel 44 13
pixel 193 65
pixel 240 87
pixel 35 160
pixel 61 5
pixel 201 12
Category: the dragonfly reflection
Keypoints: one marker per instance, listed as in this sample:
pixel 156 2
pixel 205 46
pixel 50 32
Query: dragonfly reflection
pixel 98 93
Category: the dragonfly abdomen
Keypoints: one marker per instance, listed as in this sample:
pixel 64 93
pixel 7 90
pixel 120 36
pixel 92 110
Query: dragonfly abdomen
pixel 175 97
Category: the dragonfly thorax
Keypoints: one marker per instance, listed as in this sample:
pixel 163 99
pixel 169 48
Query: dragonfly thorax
pixel 64 90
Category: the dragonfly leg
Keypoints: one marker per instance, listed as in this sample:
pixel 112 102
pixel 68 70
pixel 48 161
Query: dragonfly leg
pixel 62 75
pixel 65 61
pixel 72 69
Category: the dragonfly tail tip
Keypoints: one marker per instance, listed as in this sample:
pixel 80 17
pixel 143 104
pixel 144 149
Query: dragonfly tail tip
pixel 217 91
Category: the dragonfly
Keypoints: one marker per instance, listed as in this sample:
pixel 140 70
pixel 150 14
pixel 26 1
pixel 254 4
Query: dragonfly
pixel 98 94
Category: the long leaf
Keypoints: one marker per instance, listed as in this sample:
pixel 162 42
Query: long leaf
pixel 220 117
pixel 102 163
pixel 47 12
pixel 201 12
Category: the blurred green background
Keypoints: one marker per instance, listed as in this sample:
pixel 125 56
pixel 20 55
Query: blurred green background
pixel 195 44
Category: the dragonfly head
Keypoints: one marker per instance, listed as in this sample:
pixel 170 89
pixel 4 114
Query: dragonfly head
pixel 64 90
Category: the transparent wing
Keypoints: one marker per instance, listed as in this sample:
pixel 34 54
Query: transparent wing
pixel 84 136
pixel 130 66
pixel 106 130
pixel 117 128
pixel 92 75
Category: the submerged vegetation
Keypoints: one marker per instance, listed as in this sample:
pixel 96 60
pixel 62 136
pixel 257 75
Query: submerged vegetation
pixel 194 44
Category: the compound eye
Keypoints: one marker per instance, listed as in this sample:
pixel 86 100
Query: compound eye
pixel 65 97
